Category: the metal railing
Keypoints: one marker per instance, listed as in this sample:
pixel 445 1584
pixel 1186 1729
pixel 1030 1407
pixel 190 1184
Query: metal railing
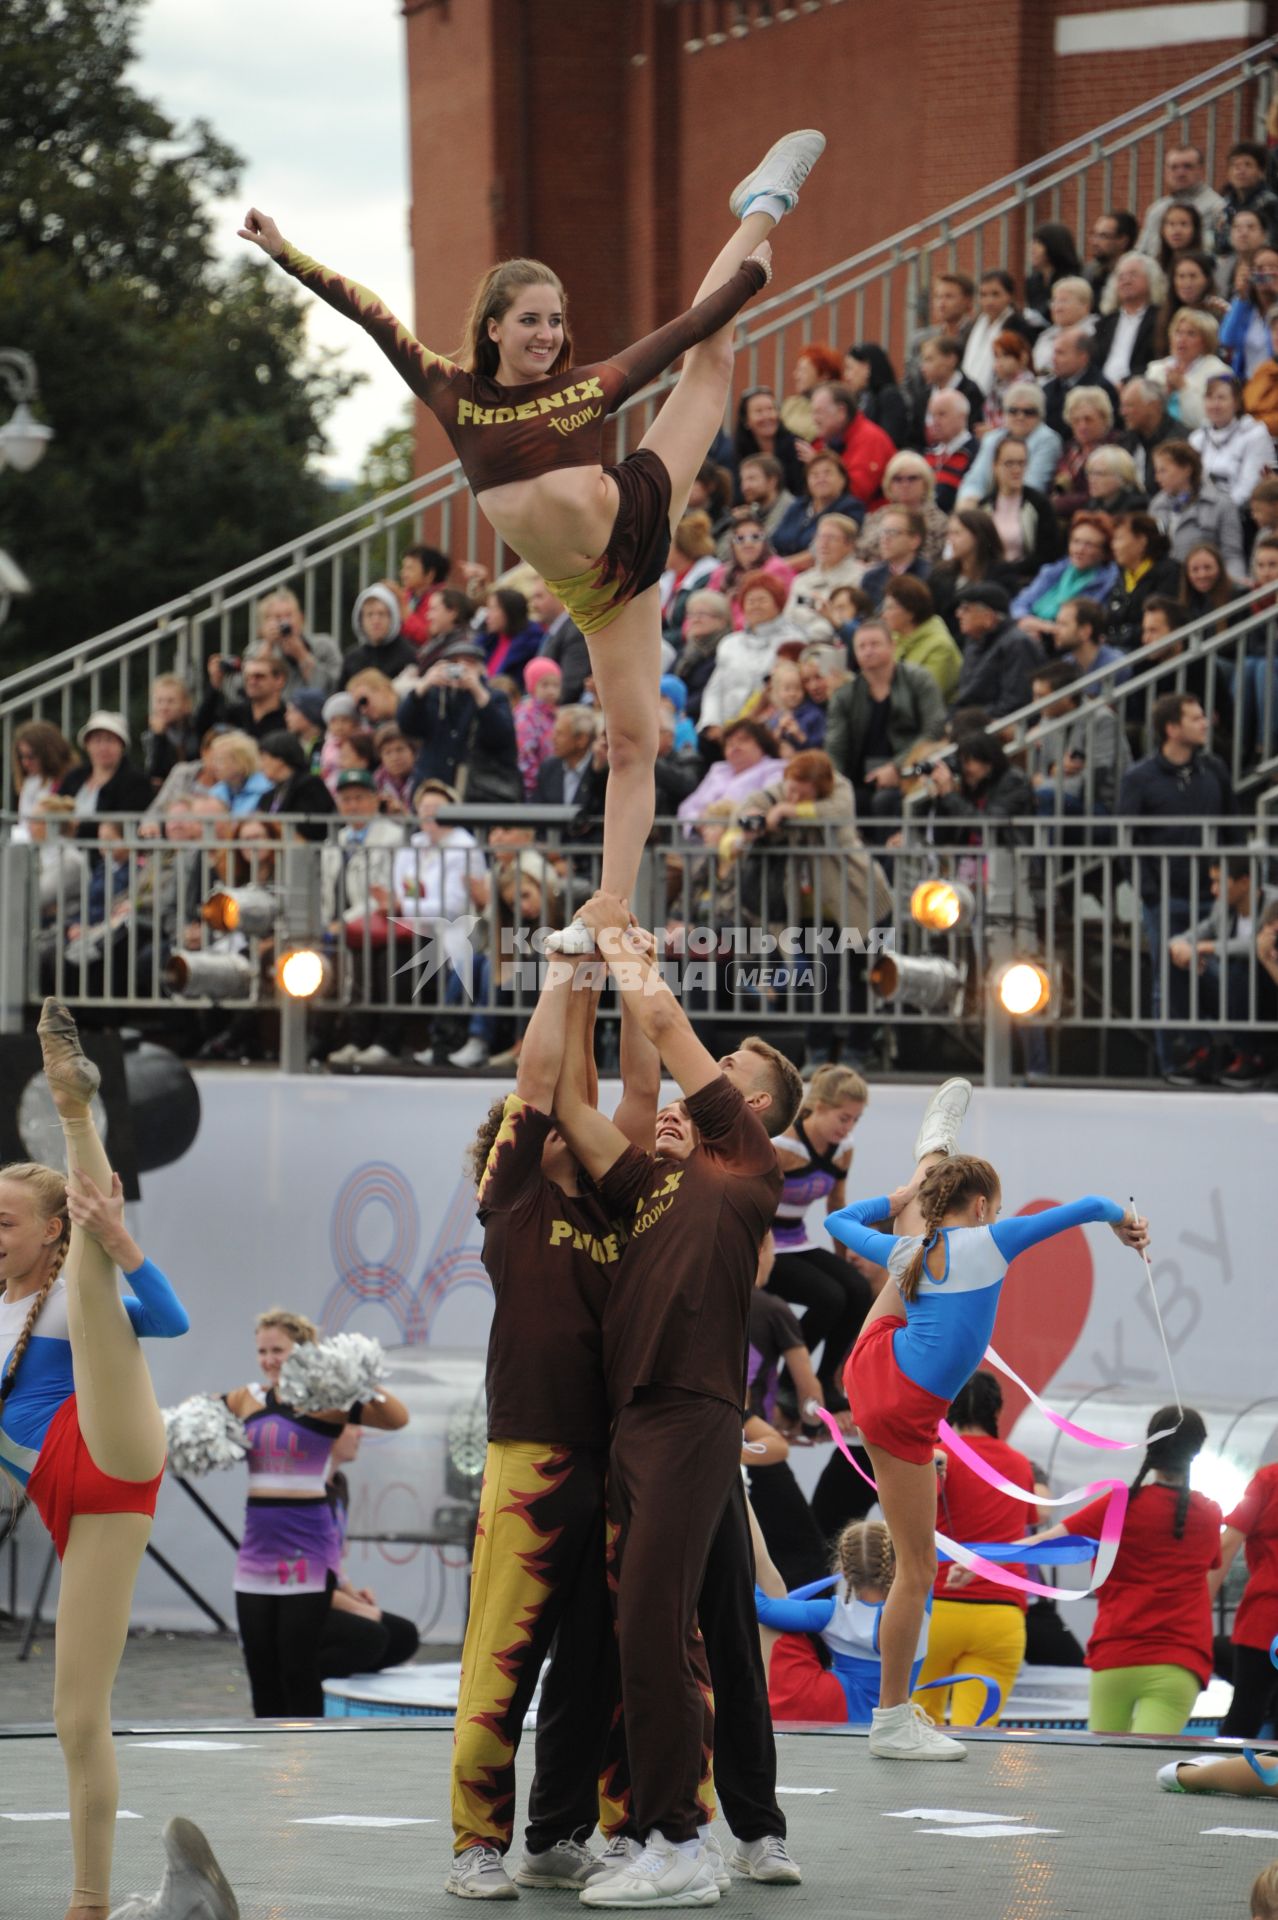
pixel 425 944
pixel 877 293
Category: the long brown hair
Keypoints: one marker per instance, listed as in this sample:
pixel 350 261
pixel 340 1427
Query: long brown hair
pixel 49 1192
pixel 949 1186
pixel 493 299
pixel 864 1557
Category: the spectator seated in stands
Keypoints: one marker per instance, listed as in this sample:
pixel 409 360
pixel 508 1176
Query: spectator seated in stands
pixel 1146 424
pixel 421 570
pixel 294 788
pixel 1191 363
pixel 564 641
pixel 449 615
pixel 309 659
pixel 673 689
pixel 1024 409
pixel 304 718
pixel 1112 486
pixel 707 621
pixel 834 565
pixel 986 783
pixel 951 448
pixel 107 781
pixel 1075 770
pixel 188 780
pixel 1089 421
pixel 576 773
pixel 816 363
pixel 1260 395
pixel 823 668
pixel 61 867
pixel 1078 636
pixel 1087 569
pixel 1071 368
pixel 1071 312
pixel 1236 451
pixel 379 643
pixel 357 753
pixel 1179 783
pixel 167 901
pixel 1206 588
pixel 513 637
pixel 535 718
pixel 761 483
pixel 1244 331
pixel 690 563
pixel 1191 284
pixel 999 658
pixel 465 732
pixel 909 482
pixel 1126 336
pixel 106 907
pixel 241 784
pixel 881 720
pixel 902 531
pixel 679 767
pixel 862 448
pixel 1113 235
pixel 870 375
pixel 827 493
pixel 1216 958
pixel 1161 639
pixel 341 719
pixel 1142 553
pixel 1189 509
pixel 742 659
pixel 1186 185
pixel 976 553
pixel 940 366
pixel 1054 262
pixel 749 551
pixel 761 433
pixel 1245 191
pixel 357 891
pixel 810 806
pixel 376 698
pixel 41 757
pixel 261 710
pixel 170 737
pixel 393 776
pixel 1027 529
pixel 919 635
pixel 996 296
pixel 793 720
pixel 749 760
pixel 431 877
pixel 1247 236
pixel 845 609
pixel 1013 362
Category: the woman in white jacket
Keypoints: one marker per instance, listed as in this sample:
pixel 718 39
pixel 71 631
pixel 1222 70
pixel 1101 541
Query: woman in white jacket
pixel 743 660
pixel 1236 450
pixel 1192 362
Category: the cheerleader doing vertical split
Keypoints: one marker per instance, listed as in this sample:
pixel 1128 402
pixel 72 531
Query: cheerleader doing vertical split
pixel 79 1425
pixel 926 1333
pixel 528 428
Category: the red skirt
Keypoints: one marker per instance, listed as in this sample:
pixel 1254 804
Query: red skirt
pixel 65 1481
pixel 891 1411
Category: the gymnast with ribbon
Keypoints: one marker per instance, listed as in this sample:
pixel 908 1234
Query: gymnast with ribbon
pixel 926 1333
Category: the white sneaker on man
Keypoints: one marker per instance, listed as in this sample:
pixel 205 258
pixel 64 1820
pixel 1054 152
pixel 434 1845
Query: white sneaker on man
pixel 566 1864
pixel 619 1851
pixel 479 1873
pixel 943 1118
pixel 194 1886
pixel 907 1733
pixel 663 1876
pixel 767 1859
pixel 474 1054
pixel 782 171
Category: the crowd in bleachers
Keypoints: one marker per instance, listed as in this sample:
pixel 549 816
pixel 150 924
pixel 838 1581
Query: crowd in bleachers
pixel 875 570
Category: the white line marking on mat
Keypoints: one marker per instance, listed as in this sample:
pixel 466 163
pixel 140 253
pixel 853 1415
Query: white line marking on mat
pixel 959 1815
pixel 193 1746
pixel 1244 1833
pixel 121 1815
pixel 804 1789
pixel 989 1830
pixel 360 1820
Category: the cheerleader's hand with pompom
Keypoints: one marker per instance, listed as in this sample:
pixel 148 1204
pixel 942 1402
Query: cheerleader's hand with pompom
pixel 327 1378
pixel 203 1436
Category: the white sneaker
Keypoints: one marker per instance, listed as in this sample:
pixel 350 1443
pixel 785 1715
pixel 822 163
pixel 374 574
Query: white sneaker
pixel 944 1117
pixel 574 939
pixel 907 1733
pixel 782 170
pixel 193 1883
pixel 479 1873
pixel 767 1859
pixel 619 1850
pixel 374 1056
pixel 566 1864
pixel 714 1854
pixel 662 1876
pixel 343 1056
pixel 1169 1776
pixel 473 1054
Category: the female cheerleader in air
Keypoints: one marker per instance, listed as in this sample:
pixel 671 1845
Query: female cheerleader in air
pixel 81 1431
pixel 528 428
pixel 925 1335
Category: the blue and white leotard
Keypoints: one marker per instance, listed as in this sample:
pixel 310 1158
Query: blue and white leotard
pixel 45 1378
pixel 950 1320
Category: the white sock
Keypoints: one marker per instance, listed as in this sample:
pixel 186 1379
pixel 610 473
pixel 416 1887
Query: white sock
pixel 688 1847
pixel 770 203
pixel 704 1830
pixel 887 1713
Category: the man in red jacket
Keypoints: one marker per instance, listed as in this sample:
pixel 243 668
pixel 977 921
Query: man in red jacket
pixel 863 448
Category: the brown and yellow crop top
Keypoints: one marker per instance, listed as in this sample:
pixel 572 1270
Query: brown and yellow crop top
pixel 516 433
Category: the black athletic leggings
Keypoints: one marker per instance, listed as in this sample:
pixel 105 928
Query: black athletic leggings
pixel 281 1635
pixel 1255 1701
pixel 837 1299
pixel 352 1644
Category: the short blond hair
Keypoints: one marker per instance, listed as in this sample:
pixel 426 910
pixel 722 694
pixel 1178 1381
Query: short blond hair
pixel 1202 323
pixel 1094 397
pixel 176 684
pixel 243 751
pixel 301 1331
pixel 909 462
pixel 831 1085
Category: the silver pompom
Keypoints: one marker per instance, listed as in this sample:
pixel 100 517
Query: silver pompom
pixel 203 1435
pixel 328 1375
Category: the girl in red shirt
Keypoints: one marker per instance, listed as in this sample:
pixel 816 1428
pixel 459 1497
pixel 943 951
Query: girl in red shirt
pixel 1254 1521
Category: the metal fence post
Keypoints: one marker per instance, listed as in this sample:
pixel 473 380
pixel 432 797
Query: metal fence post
pixel 15 902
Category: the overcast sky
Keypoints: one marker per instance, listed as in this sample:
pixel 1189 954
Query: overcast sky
pixel 313 94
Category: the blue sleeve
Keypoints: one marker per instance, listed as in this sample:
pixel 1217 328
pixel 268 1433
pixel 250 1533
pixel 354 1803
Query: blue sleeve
pixel 788 1615
pixel 1233 328
pixel 848 1227
pixel 1028 1229
pixel 153 1307
pixel 1045 577
pixel 1045 450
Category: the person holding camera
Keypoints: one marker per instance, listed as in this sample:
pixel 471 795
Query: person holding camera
pixel 310 659
pixel 463 729
pixel 260 708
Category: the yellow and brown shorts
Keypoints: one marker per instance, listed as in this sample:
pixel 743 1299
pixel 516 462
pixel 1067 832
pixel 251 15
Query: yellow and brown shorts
pixel 636 554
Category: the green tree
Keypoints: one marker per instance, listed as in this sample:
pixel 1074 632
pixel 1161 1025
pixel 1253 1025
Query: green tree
pixel 186 411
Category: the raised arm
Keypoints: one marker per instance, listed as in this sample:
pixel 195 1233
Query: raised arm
pixel 650 356
pixel 597 1141
pixel 657 1014
pixel 152 1306
pixel 419 368
pixel 636 1112
pixel 849 1227
pixel 1027 1230
pixel 542 1054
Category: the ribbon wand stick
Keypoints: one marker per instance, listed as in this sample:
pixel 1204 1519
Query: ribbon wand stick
pixel 1158 1321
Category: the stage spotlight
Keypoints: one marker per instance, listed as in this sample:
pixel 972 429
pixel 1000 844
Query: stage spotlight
pixel 930 985
pixel 247 910
pixel 302 972
pixel 945 906
pixel 1023 988
pixel 210 976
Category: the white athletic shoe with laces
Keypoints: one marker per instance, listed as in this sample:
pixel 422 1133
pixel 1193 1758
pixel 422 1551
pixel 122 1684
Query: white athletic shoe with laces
pixel 566 1864
pixel 575 940
pixel 662 1876
pixel 479 1873
pixel 943 1118
pixel 714 1854
pixel 782 171
pixel 907 1733
pixel 194 1886
pixel 767 1859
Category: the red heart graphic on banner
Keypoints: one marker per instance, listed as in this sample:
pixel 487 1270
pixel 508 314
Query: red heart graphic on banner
pixel 1043 1308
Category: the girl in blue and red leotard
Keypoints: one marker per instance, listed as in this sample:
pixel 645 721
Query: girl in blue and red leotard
pixel 79 1425
pixel 925 1335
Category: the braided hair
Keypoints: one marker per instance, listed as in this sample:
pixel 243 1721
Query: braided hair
pixel 864 1557
pixel 948 1186
pixel 49 1192
pixel 978 1404
pixel 1173 1454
